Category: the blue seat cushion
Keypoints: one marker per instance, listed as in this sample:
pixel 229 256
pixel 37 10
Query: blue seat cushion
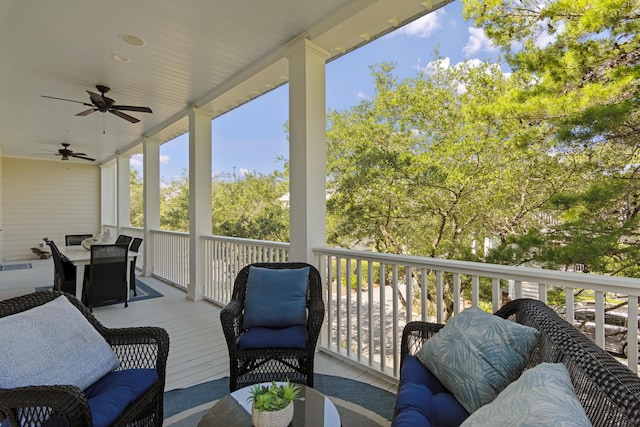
pixel 259 337
pixel 423 401
pixel 113 393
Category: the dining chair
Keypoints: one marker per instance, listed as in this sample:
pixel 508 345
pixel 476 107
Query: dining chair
pixel 135 246
pixel 75 239
pixel 123 238
pixel 64 272
pixel 107 278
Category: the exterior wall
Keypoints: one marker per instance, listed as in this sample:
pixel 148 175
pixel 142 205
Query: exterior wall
pixel 46 199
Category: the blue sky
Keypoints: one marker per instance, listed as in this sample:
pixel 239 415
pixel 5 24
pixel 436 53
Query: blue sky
pixel 252 137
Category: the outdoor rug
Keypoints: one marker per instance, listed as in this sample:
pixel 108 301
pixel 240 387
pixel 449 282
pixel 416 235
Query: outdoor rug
pixel 11 267
pixel 358 404
pixel 144 292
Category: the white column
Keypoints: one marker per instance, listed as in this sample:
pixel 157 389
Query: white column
pixel 124 210
pixel 307 149
pixel 199 197
pixel 151 201
pixel 107 195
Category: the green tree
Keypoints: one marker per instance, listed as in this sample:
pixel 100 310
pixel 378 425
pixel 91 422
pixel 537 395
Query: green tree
pixel 136 199
pixel 578 64
pixel 174 204
pixel 251 206
pixel 422 169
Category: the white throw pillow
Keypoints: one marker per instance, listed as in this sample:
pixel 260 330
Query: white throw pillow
pixel 52 344
pixel 477 354
pixel 543 396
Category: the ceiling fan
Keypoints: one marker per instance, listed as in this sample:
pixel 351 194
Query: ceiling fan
pixel 65 153
pixel 101 103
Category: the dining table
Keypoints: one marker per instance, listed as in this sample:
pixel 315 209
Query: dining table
pixel 81 257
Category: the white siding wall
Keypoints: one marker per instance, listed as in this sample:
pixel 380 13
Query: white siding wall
pixel 46 199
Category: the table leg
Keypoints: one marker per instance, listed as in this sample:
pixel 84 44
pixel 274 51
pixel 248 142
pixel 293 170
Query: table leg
pixel 79 280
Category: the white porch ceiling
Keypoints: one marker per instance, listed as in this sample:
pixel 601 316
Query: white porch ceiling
pixel 210 54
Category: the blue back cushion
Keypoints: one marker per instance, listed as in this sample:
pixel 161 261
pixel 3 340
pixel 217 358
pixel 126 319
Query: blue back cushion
pixel 276 298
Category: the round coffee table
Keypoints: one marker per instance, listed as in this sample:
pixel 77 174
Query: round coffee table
pixel 310 409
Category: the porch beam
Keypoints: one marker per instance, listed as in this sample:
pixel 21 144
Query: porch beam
pixel 199 197
pixel 307 149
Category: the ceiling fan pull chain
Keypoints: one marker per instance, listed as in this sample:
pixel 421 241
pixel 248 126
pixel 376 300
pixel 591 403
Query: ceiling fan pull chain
pixel 103 126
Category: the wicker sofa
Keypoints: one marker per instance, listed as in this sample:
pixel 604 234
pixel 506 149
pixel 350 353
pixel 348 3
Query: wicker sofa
pixel 608 392
pixel 132 394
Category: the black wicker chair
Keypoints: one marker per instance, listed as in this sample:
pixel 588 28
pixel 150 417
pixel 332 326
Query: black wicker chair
pixel 251 366
pixel 64 272
pixel 107 278
pixel 135 246
pixel 65 405
pixel 75 239
pixel 608 391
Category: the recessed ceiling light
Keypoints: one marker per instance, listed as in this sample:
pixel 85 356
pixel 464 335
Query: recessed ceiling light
pixel 132 40
pixel 120 58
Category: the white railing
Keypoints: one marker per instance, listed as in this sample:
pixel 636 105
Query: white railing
pixel 171 257
pixel 361 314
pixel 227 255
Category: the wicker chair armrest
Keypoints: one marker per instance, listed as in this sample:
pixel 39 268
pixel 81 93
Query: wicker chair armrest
pixel 67 400
pixel 415 335
pixel 314 321
pixel 231 319
pixel 140 347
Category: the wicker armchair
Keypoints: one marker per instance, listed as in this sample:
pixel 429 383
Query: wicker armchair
pixel 65 405
pixel 608 391
pixel 251 366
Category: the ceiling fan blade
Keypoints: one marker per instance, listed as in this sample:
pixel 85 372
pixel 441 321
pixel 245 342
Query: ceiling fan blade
pixel 132 108
pixel 97 99
pixel 87 112
pixel 65 99
pixel 82 156
pixel 124 116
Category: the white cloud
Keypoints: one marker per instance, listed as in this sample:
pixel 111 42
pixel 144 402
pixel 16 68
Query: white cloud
pixel 243 172
pixel 361 95
pixel 136 161
pixel 478 42
pixel 425 26
pixel 432 66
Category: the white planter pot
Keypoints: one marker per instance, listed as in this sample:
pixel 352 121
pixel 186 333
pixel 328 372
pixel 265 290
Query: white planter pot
pixel 280 418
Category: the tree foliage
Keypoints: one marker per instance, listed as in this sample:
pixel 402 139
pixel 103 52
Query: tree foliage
pixel 423 168
pixel 578 64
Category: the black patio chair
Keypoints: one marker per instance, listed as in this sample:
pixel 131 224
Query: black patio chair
pixel 107 278
pixel 123 238
pixel 64 272
pixel 75 239
pixel 135 246
pixel 263 354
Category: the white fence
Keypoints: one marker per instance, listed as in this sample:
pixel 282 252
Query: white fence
pixel 365 319
pixel 370 296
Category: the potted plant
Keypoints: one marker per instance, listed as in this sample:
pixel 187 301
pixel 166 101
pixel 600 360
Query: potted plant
pixel 273 404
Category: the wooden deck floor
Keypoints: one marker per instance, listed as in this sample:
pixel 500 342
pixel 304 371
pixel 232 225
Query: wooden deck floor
pixel 198 351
